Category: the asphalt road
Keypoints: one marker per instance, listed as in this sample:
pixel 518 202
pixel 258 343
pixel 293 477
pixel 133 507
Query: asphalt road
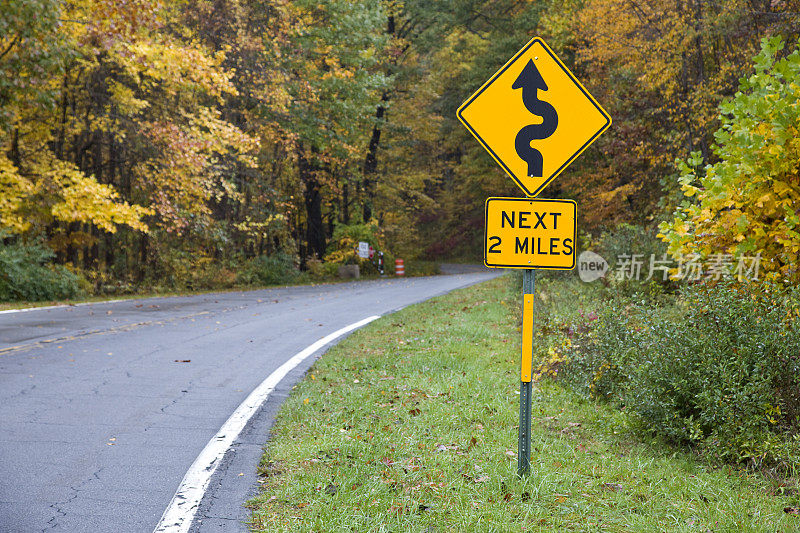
pixel 105 406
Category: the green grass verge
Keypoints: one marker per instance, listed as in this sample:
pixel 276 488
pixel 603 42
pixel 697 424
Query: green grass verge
pixel 410 425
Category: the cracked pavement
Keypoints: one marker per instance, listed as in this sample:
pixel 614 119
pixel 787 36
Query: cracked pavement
pixel 105 406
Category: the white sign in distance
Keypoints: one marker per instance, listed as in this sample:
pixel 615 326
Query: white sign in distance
pixel 363 250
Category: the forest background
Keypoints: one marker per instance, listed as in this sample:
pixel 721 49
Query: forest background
pixel 162 144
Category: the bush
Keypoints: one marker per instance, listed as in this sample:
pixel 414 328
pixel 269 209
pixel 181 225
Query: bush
pixel 416 267
pixel 342 249
pixel 746 201
pixel 277 269
pixel 628 250
pixel 210 274
pixel 26 273
pixel 626 240
pixel 720 370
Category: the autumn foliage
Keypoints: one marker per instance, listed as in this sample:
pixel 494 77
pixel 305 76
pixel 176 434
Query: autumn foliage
pixel 148 140
pixel 746 202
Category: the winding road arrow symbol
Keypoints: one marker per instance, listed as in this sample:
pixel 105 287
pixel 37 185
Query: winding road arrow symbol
pixel 531 82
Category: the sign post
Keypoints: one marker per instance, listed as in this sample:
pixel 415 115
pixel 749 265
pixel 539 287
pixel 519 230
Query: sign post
pixel 526 371
pixel 534 118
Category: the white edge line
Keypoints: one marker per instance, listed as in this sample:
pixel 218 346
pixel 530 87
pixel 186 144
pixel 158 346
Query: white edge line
pixel 180 513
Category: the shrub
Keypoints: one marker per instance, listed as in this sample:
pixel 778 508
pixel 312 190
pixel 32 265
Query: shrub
pixel 276 269
pixel 626 240
pixel 416 267
pixel 746 201
pixel 628 250
pixel 212 274
pixel 344 242
pixel 26 273
pixel 720 370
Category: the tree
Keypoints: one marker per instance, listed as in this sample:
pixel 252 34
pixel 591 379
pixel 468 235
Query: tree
pixel 746 202
pixel 333 85
pixel 660 68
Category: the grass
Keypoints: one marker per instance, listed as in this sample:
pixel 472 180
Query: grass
pixel 410 425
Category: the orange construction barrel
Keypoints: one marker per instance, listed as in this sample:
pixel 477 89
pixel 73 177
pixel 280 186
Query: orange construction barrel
pixel 399 268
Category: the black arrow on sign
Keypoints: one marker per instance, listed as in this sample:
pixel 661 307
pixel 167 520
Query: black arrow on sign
pixel 531 82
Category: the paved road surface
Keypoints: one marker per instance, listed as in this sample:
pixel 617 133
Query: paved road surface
pixel 105 406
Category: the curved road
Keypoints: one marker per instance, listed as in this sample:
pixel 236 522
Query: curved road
pixel 105 406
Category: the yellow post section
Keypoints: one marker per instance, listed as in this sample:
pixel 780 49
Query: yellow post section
pixel 527 337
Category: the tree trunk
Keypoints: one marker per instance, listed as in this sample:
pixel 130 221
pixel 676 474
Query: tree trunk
pixel 90 259
pixel 371 160
pixel 312 197
pixel 345 209
pixel 15 155
pixel 112 178
pixel 143 243
pixel 73 252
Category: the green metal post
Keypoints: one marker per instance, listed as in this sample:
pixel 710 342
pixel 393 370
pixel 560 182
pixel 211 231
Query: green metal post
pixel 525 389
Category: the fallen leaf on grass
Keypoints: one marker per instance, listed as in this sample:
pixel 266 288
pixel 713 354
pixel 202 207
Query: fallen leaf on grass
pixel 613 487
pixel 331 489
pixel 792 510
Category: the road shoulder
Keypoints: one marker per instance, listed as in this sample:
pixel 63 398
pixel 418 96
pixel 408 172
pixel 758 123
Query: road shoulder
pixel 410 424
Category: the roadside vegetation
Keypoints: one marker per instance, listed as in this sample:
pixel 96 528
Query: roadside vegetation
pixel 27 279
pixel 410 425
pixel 717 369
pixel 196 144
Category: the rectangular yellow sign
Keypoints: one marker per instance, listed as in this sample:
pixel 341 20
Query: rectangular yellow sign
pixel 530 233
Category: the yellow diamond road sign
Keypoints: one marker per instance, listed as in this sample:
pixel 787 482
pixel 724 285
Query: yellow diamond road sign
pixel 534 117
